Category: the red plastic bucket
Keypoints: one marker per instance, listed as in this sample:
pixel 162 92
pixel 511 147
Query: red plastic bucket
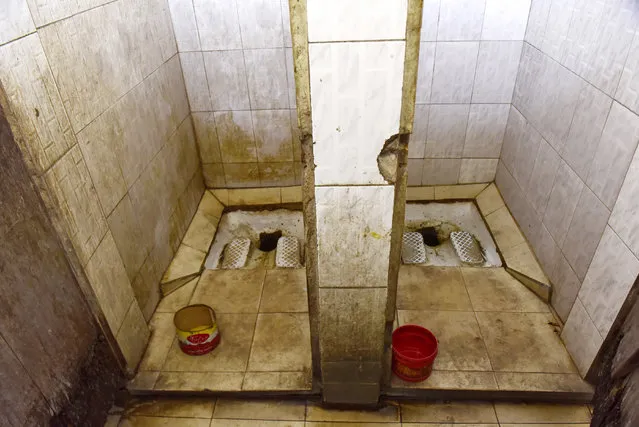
pixel 414 351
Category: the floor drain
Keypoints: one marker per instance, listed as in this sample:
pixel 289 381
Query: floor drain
pixel 429 234
pixel 413 251
pixel 236 253
pixel 268 241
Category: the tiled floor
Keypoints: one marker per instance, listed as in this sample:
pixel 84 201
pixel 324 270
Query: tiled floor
pixel 241 413
pixel 262 315
pixel 494 333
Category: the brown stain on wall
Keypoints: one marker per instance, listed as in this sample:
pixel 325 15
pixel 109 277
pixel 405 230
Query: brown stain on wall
pixel 46 327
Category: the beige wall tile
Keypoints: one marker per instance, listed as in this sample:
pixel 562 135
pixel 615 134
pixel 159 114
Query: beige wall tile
pixel 177 299
pixel 489 200
pixel 586 229
pixel 261 24
pixel 197 86
pixel 521 259
pixel 542 177
pixel 417 143
pixel 295 132
pixel 236 137
pixel 241 175
pixel 497 66
pixel 547 250
pixel 109 281
pixel 273 137
pixel 266 76
pixel 446 130
pixel 291 194
pixel 133 336
pixel 254 196
pixel 581 337
pixel 16 21
pixel 226 75
pixel 562 202
pixel 44 13
pixel 344 226
pixel 200 233
pixel 623 219
pixel 454 71
pixel 184 25
pixel 566 286
pixel 585 131
pixel 351 322
pixel 468 191
pixel 441 171
pixel 73 190
pixel 278 174
pixel 290 68
pixel 206 136
pixel 211 206
pixel 221 194
pixel 614 154
pixel 218 24
pixel 133 37
pixel 612 273
pixel 420 193
pixel 415 168
pixel 187 261
pixel 425 71
pixel 34 100
pixel 214 175
pixel 146 283
pixel 477 170
pixel 485 132
pixel 128 236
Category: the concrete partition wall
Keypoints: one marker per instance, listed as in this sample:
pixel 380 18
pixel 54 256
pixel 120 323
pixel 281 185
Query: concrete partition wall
pixel 349 69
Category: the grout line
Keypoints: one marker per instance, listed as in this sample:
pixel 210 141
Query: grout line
pixel 74 14
pixel 257 316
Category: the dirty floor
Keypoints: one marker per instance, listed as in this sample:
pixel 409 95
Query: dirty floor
pixel 494 333
pixel 244 413
pixel 262 315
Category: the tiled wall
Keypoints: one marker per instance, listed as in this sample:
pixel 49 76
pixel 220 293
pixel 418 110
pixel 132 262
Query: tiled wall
pixel 468 61
pixel 238 68
pixel 100 110
pixel 568 168
pixel 356 57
